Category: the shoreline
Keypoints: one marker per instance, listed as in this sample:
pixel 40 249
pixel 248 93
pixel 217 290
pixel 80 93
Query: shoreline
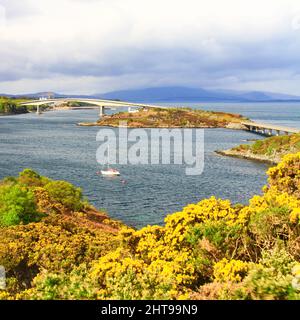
pixel 248 156
pixel 12 114
pixel 95 124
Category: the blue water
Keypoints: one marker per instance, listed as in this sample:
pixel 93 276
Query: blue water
pixel 54 146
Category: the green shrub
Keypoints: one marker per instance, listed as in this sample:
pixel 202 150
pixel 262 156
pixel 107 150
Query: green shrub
pixel 54 286
pixel 66 194
pixel 217 232
pixel 270 225
pixel 30 178
pixel 17 205
pixel 272 278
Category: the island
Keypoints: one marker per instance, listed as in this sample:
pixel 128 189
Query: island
pixel 270 150
pixel 171 118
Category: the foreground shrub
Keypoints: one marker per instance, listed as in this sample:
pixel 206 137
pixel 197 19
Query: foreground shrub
pixel 272 278
pixel 31 178
pixel 17 205
pixel 286 175
pixel 61 286
pixel 66 194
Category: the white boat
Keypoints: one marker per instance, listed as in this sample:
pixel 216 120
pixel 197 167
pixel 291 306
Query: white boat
pixel 110 172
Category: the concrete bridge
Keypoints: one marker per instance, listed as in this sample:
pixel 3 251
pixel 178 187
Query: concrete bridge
pixel 267 128
pixel 261 128
pixel 102 104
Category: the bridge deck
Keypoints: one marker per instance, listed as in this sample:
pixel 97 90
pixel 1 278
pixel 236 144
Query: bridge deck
pixel 270 126
pixel 98 102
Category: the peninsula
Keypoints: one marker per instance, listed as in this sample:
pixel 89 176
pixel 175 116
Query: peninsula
pixel 10 106
pixel 270 150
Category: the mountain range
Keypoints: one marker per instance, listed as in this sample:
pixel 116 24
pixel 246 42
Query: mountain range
pixel 178 94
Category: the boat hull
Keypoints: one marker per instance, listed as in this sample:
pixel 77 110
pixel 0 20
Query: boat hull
pixel 108 173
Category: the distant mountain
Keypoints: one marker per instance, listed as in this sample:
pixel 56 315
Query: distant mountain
pixel 176 94
pixel 195 94
pixel 46 94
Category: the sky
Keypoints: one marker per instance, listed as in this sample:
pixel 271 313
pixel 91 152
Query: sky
pixel 96 46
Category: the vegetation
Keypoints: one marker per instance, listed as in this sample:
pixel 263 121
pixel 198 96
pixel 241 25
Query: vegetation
pixel 209 250
pixel 47 227
pixel 11 106
pixel 172 117
pixel 273 148
pixel 16 205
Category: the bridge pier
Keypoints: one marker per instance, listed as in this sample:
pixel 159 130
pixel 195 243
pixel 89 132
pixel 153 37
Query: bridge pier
pixel 101 111
pixel 38 109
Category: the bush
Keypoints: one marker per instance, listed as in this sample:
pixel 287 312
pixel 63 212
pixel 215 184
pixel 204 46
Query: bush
pixel 272 278
pixel 30 178
pixel 66 194
pixel 57 244
pixel 285 177
pixel 230 271
pixel 54 286
pixel 17 205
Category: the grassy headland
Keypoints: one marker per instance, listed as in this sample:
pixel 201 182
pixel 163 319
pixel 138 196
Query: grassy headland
pixel 11 106
pixel 172 118
pixel 270 149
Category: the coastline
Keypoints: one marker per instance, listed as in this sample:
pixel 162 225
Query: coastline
pixel 12 114
pixel 231 126
pixel 249 156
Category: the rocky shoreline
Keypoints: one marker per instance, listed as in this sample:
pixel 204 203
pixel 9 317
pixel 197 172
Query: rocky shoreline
pixel 275 159
pixel 232 126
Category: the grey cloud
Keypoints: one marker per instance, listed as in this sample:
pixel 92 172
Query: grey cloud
pixel 147 60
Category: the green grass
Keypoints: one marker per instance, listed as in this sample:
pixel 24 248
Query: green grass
pixel 280 145
pixel 11 106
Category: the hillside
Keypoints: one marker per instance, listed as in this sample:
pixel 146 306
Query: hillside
pixel 173 94
pixel 54 245
pixel 195 94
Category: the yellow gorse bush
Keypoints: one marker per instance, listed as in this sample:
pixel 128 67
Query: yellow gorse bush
pixel 164 252
pixel 211 240
pixel 285 177
pixel 232 271
pixel 274 198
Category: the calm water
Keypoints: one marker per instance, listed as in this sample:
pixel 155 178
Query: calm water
pixel 53 145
